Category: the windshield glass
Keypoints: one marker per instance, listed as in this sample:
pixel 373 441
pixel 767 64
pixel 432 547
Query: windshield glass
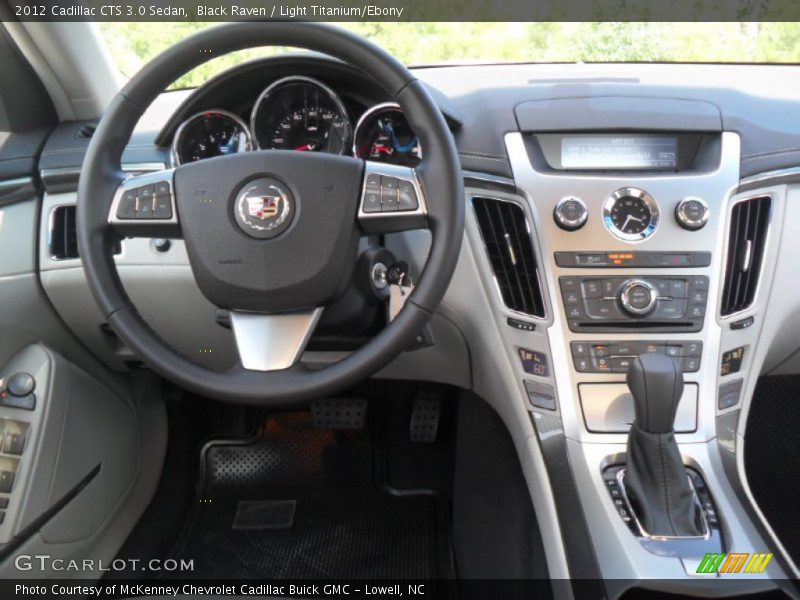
pixel 133 44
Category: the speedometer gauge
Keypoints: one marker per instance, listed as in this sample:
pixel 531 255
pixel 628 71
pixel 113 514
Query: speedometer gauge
pixel 384 135
pixel 208 134
pixel 300 113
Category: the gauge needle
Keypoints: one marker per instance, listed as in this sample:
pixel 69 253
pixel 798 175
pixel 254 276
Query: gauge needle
pixel 628 219
pixel 305 147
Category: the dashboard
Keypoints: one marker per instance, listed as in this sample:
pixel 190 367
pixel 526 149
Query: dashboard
pixel 300 113
pixel 605 219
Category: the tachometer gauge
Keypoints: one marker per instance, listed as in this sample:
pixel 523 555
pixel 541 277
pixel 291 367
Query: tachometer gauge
pixel 208 134
pixel 383 135
pixel 300 113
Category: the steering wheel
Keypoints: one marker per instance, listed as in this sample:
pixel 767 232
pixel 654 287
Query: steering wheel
pixel 271 235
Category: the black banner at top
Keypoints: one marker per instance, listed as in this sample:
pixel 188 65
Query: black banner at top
pixel 403 10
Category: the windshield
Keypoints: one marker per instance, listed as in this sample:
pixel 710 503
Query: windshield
pixel 133 44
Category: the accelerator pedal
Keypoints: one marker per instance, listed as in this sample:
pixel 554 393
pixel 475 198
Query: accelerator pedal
pixel 339 413
pixel 425 415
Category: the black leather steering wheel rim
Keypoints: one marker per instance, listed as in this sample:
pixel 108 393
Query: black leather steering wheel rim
pixel 440 175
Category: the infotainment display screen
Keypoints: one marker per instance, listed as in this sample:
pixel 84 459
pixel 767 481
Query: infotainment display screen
pixel 634 152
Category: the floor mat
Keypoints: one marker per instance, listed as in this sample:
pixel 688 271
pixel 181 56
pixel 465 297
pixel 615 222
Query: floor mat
pixel 771 451
pixel 343 525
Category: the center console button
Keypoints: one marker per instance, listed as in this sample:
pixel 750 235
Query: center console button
pixel 601 350
pixel 579 349
pixel 662 287
pixel 570 213
pixel 673 350
pixel 638 297
pixel 699 297
pixel 621 364
pixel 592 288
pixel 699 282
pixel 670 309
pixel 602 308
pixel 693 348
pixel 624 348
pixel 568 283
pixel 590 259
pixel 572 298
pixel 677 288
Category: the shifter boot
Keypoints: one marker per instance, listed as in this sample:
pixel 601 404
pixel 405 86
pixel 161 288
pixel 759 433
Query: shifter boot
pixel 656 480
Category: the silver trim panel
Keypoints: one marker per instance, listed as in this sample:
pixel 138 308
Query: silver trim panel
pixel 272 342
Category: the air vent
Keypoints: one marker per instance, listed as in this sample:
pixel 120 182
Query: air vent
pixel 748 235
pixel 63 236
pixel 508 243
pixel 85 132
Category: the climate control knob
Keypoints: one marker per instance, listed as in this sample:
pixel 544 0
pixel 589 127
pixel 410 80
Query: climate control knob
pixel 692 213
pixel 638 297
pixel 570 213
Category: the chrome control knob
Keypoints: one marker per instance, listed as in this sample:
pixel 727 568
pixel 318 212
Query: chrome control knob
pixel 638 297
pixel 570 213
pixel 692 213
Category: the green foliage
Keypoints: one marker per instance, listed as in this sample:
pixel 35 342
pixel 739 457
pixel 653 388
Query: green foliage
pixel 133 44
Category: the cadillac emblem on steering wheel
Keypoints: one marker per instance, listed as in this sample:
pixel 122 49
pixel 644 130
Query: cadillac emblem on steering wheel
pixel 264 208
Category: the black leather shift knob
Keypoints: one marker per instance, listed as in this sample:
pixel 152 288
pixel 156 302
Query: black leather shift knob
pixel 656 383
pixel 656 479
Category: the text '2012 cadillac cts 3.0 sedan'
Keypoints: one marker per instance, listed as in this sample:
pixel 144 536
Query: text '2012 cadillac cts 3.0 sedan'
pixel 314 323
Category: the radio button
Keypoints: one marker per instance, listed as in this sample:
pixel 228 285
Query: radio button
pixel 670 309
pixel 638 297
pixel 677 288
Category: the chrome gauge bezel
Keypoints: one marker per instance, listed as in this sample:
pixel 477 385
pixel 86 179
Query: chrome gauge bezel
pixel 371 112
pixel 175 157
pixel 278 83
pixel 652 205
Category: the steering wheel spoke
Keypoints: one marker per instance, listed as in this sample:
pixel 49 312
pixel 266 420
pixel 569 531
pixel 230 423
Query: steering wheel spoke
pixel 392 199
pixel 272 342
pixel 144 206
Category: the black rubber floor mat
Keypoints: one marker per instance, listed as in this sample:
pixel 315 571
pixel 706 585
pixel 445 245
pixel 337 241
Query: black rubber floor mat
pixel 771 451
pixel 343 525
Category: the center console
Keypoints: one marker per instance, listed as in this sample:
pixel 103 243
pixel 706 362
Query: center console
pixel 632 235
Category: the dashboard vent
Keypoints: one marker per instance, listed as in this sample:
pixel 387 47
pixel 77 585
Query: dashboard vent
pixel 63 234
pixel 508 243
pixel 746 244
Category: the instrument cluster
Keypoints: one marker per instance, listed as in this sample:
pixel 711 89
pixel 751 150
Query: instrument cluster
pixel 301 114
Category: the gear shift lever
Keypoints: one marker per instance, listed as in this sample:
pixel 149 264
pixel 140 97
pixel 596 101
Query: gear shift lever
pixel 656 480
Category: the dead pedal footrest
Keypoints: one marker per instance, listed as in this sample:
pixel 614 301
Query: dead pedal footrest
pixel 339 413
pixel 425 416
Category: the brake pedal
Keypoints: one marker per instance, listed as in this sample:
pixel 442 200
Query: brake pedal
pixel 425 416
pixel 339 413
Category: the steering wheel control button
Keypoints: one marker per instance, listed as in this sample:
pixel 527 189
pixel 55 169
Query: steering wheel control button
pixel 127 205
pixel 152 201
pixel 692 213
pixel 407 196
pixel 264 208
pixel 638 297
pixel 389 194
pixel 570 213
